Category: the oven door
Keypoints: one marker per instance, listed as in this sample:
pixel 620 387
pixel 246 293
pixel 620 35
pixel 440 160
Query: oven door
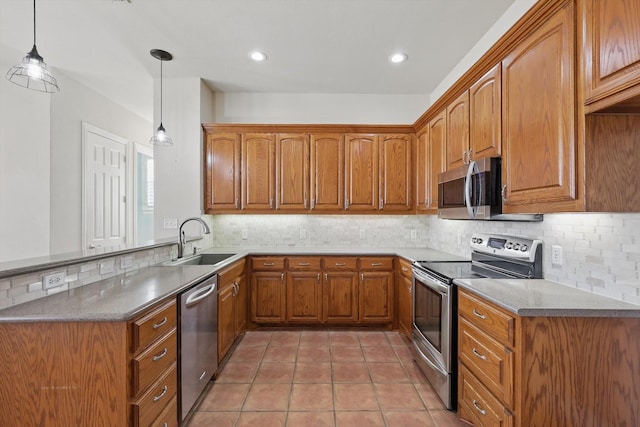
pixel 432 318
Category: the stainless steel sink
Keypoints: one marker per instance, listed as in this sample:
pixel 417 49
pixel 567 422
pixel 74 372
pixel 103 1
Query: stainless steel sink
pixel 201 259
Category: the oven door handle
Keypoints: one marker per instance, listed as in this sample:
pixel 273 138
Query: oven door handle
pixel 428 360
pixel 431 283
pixel 467 189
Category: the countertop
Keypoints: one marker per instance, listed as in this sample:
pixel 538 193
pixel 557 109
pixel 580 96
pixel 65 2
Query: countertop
pixel 543 298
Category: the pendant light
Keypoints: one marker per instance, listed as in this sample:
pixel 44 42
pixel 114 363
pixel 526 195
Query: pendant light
pixel 32 72
pixel 160 137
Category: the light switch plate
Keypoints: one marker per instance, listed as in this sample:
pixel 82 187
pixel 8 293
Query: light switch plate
pixel 556 255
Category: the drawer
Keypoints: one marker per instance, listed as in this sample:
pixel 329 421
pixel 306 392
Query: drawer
pixel 487 317
pixel 168 417
pixel 490 361
pixel 230 273
pixel 476 405
pixel 404 268
pixel 267 263
pixel 153 325
pixel 376 263
pixel 152 362
pixel 149 407
pixel 337 263
pixel 299 263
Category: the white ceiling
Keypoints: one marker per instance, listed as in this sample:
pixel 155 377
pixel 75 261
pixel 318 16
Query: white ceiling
pixel 313 46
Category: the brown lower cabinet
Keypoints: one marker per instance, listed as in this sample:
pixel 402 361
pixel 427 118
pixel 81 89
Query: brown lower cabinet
pixel 232 306
pixel 322 290
pixel 543 371
pixel 405 296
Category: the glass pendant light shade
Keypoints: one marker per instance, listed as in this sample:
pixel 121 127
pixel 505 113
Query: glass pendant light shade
pixel 32 72
pixel 160 136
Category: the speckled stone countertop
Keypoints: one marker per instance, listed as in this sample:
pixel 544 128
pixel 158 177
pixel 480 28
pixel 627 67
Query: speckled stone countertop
pixel 543 298
pixel 118 298
pixel 124 296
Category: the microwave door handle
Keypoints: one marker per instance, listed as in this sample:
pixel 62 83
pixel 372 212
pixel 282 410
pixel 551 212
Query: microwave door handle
pixel 467 190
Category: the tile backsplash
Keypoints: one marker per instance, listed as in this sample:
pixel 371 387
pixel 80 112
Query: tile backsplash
pixel 601 251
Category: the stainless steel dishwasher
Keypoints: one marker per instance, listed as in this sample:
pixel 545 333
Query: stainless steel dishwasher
pixel 198 341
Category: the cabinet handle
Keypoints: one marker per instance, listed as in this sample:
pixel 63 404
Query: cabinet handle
pixel 482 316
pixel 362 277
pixel 268 264
pixel 305 203
pixel 482 411
pixel 161 355
pixel 481 356
pixel 271 203
pixel 303 264
pixel 469 155
pixel 346 203
pixel 326 277
pixel 164 391
pixel 503 193
pixel 162 323
pixel 318 277
pixel 313 203
pixel 237 203
pixel 426 202
pixel 381 204
pixel 376 264
pixel 282 276
pixel 340 264
pixel 405 269
pixel 165 425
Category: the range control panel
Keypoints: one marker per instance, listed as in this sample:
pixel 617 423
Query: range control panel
pixel 506 246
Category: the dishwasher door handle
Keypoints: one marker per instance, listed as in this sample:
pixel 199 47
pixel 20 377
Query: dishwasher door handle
pixel 199 295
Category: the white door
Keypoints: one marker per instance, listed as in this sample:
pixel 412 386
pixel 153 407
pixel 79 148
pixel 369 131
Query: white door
pixel 104 188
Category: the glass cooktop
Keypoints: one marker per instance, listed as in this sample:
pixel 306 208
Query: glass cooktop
pixel 448 271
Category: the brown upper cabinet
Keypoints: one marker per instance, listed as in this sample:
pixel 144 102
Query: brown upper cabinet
pixel 361 165
pixel 395 173
pixel 539 118
pixel 458 131
pixel 611 55
pixel 292 171
pixel 222 172
pixel 430 149
pixel 327 172
pixel 258 171
pixel 485 115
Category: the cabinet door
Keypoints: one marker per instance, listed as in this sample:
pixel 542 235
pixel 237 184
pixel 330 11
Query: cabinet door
pixel 405 304
pixel 340 297
pixel 437 148
pixel 612 49
pixel 292 171
pixel 327 172
pixel 222 172
pixel 241 304
pixel 538 112
pixel 226 320
pixel 376 297
pixel 485 115
pixel 422 169
pixel 395 173
pixel 458 131
pixel 258 171
pixel 361 160
pixel 268 297
pixel 304 297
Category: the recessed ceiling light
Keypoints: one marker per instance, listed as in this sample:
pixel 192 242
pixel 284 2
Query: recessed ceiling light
pixel 257 56
pixel 396 58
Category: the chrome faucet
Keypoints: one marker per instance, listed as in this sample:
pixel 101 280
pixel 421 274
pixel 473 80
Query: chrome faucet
pixel 181 237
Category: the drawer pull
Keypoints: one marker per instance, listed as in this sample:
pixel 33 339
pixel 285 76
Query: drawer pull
pixel 303 264
pixel 478 408
pixel 482 316
pixel 376 264
pixel 165 425
pixel 161 395
pixel 481 356
pixel 268 264
pixel 340 264
pixel 162 323
pixel 161 355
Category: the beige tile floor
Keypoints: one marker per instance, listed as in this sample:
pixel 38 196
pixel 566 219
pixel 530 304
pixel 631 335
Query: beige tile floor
pixel 322 378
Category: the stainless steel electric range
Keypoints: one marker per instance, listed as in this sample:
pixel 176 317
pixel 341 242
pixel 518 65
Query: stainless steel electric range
pixel 435 300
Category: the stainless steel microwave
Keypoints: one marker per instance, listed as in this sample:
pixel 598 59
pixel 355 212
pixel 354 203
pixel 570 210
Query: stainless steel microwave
pixel 474 191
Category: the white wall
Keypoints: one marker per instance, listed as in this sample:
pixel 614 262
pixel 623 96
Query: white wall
pixel 74 104
pixel 24 171
pixel 318 108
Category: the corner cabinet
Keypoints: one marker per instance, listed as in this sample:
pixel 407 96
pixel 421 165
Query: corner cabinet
pixel 539 119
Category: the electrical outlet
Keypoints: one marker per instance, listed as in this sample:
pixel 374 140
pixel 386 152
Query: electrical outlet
pixel 303 234
pixel 363 233
pixel 126 262
pixel 106 267
pixel 556 255
pixel 414 234
pixel 245 234
pixel 53 280
pixel 170 224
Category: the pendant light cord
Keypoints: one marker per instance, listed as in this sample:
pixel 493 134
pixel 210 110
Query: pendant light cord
pixel 34 22
pixel 160 91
